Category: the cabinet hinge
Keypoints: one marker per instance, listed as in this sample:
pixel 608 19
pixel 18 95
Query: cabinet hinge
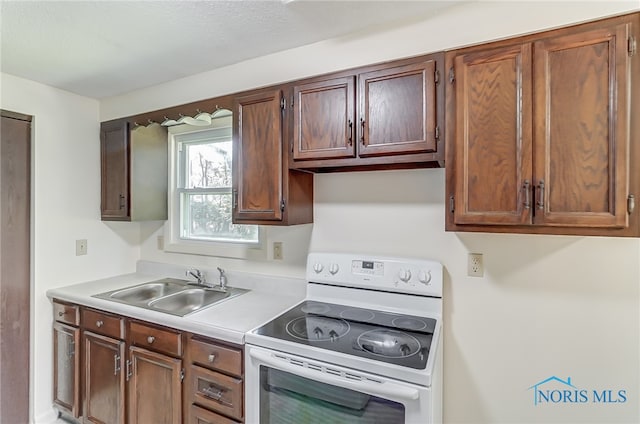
pixel 631 203
pixel 282 205
pixel 283 103
pixel 452 204
pixel 452 75
pixel 182 375
pixel 437 135
pixel 436 77
pixel 631 45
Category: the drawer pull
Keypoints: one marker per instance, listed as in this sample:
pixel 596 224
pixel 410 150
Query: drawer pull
pixel 99 323
pixel 150 339
pixel 216 394
pixel 61 314
pixel 212 357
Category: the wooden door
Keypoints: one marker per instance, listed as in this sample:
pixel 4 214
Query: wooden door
pixel 493 132
pixel 323 121
pixel 397 110
pixel 104 389
pixel 581 128
pixel 155 388
pixel 66 368
pixel 258 157
pixel 15 280
pixel 115 162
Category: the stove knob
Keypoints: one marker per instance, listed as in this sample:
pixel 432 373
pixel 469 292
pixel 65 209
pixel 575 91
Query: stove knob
pixel 318 332
pixel 404 275
pixel 317 267
pixel 424 277
pixel 333 269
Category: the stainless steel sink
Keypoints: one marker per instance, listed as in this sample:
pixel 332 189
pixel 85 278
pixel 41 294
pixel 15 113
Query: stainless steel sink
pixel 148 291
pixel 191 300
pixel 170 295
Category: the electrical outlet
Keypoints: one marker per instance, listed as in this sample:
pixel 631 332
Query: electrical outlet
pixel 81 247
pixel 475 268
pixel 277 250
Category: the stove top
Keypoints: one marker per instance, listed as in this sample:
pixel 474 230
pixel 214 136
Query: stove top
pixel 392 338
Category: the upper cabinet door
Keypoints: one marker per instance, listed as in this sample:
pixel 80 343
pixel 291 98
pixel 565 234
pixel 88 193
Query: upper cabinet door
pixel 493 152
pixel 114 153
pixel 323 119
pixel 258 157
pixel 397 110
pixel 581 128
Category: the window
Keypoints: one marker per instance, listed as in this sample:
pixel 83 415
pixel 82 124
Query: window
pixel 200 197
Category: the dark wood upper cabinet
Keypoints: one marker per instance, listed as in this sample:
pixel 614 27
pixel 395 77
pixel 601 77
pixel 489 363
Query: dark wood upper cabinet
pixel 398 110
pixel 387 115
pixel 264 190
pixel 581 128
pixel 133 172
pixel 324 119
pixel 114 161
pixel 539 132
pixel 493 159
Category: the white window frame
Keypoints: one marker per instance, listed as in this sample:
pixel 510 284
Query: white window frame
pixel 174 242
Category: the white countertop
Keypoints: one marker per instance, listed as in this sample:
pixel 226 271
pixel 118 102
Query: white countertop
pixel 228 320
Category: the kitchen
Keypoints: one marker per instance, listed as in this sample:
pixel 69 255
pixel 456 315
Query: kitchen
pixel 547 305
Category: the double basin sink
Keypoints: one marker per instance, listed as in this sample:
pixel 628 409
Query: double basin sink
pixel 171 295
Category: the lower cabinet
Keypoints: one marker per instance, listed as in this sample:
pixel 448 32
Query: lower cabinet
pixel 66 365
pixel 215 388
pixel 155 394
pixel 116 370
pixel 104 383
pixel 66 358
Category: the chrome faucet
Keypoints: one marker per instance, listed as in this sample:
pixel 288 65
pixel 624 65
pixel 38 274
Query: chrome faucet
pixel 201 280
pixel 223 279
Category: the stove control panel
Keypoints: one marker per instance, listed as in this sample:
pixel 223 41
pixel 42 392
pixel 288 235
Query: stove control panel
pixel 392 274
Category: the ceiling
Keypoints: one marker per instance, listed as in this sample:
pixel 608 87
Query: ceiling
pixel 104 48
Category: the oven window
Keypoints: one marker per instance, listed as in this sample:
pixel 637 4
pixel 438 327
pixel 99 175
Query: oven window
pixel 290 399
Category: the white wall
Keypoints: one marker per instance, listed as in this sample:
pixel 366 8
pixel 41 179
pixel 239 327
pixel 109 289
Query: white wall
pixel 547 305
pixel 66 207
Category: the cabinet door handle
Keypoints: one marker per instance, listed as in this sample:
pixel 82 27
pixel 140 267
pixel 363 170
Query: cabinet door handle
pixel 350 125
pixel 128 369
pixel 99 323
pixel 150 339
pixel 235 199
pixel 116 364
pixel 71 349
pixel 527 199
pixel 540 202
pixel 216 394
pixel 212 357
pixel 362 124
pixel 121 201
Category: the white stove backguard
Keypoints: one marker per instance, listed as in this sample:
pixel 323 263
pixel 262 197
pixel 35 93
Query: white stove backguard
pixel 391 274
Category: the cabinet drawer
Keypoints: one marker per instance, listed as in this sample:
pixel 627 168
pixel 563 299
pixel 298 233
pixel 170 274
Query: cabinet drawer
pixel 199 415
pixel 217 357
pixel 158 339
pixel 216 391
pixel 103 323
pixel 68 314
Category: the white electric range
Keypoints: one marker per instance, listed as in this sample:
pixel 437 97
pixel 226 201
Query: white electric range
pixel 363 347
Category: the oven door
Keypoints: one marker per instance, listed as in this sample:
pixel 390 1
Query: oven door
pixel 282 388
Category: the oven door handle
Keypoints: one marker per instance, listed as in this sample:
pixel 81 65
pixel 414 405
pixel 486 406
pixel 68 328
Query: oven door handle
pixel 385 390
